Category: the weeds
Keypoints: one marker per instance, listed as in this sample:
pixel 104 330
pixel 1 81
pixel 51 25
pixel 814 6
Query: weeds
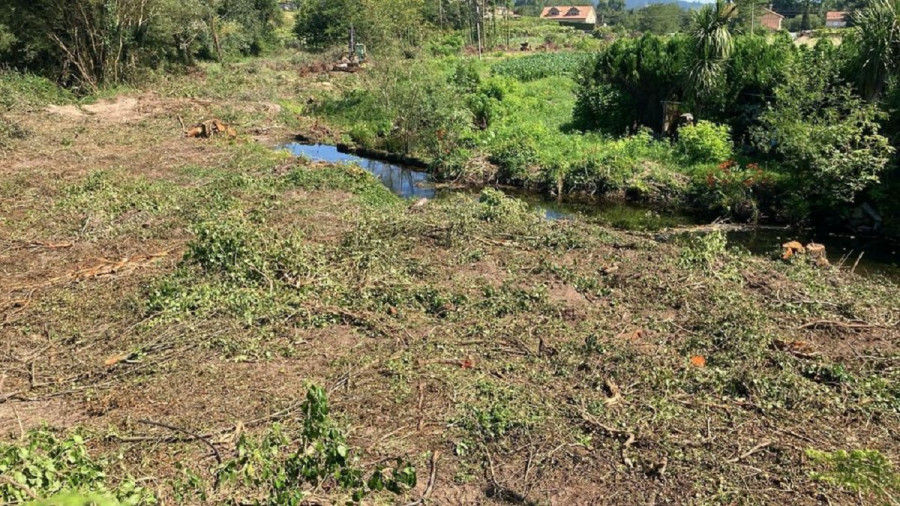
pixel 705 250
pixel 45 465
pixel 865 471
pixel 321 458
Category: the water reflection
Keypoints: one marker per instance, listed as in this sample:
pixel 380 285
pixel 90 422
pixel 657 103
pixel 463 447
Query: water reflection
pixel 403 181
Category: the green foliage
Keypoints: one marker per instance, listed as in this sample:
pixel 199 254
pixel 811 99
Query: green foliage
pixel 448 45
pixel 877 30
pixel 704 250
pixel 116 41
pixel 734 190
pixel 47 465
pixel 415 110
pixel 322 456
pixel 661 18
pixel 23 92
pixel 496 206
pixel 541 65
pixel 345 177
pixel 604 107
pixel 704 142
pixel 466 75
pixel 76 500
pixel 711 46
pixel 865 471
pixel 827 136
pixel 323 22
pixel 647 71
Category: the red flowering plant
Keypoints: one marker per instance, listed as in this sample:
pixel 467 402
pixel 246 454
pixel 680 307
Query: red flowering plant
pixel 732 188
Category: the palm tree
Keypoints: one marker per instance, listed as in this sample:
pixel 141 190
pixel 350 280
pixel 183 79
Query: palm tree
pixel 712 45
pixel 878 40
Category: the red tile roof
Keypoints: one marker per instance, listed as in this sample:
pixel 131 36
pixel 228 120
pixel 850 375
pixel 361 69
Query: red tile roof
pixel 835 15
pixel 583 11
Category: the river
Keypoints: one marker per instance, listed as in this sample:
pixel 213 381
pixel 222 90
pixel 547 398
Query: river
pixel 875 256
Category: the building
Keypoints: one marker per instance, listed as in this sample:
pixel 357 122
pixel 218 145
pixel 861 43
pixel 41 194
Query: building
pixel 574 14
pixel 770 19
pixel 836 19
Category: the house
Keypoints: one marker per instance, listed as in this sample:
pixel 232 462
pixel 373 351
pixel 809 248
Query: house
pixel 575 14
pixel 770 19
pixel 836 19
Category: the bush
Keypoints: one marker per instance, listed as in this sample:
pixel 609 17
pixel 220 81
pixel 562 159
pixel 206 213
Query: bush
pixel 466 76
pixel 733 190
pixel 601 106
pixel 827 137
pixel 450 45
pixel 705 142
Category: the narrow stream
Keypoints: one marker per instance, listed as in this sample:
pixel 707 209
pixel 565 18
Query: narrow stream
pixel 878 256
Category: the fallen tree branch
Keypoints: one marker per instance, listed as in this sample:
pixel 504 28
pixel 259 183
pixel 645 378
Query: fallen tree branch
pixel 749 452
pixel 832 323
pixel 20 486
pixel 196 437
pixel 430 488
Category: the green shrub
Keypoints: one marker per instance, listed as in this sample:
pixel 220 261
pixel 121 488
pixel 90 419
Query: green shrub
pixel 733 190
pixel 26 91
pixel 466 75
pixel 602 106
pixel 705 142
pixel 362 135
pixel 449 45
pixel 704 250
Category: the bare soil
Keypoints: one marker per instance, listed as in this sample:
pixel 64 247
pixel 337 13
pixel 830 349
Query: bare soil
pixel 550 372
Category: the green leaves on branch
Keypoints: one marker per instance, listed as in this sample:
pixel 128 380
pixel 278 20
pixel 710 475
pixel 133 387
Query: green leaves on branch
pixel 320 457
pixel 46 465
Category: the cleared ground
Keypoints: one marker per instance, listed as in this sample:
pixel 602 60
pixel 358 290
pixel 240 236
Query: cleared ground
pixel 205 284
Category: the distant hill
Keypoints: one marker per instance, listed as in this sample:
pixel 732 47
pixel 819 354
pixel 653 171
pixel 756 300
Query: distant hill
pixel 637 4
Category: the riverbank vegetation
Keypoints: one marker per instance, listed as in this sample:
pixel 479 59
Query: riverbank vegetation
pixel 783 132
pixel 187 321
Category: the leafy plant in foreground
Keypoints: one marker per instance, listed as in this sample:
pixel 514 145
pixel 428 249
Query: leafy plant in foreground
pixel 46 465
pixel 322 459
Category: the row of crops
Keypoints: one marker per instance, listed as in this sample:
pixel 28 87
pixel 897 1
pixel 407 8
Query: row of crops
pixel 541 65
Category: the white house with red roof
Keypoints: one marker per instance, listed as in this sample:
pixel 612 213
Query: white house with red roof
pixel 580 14
pixel 836 19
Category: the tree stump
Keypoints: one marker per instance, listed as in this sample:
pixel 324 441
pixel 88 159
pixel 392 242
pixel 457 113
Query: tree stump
pixel 817 252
